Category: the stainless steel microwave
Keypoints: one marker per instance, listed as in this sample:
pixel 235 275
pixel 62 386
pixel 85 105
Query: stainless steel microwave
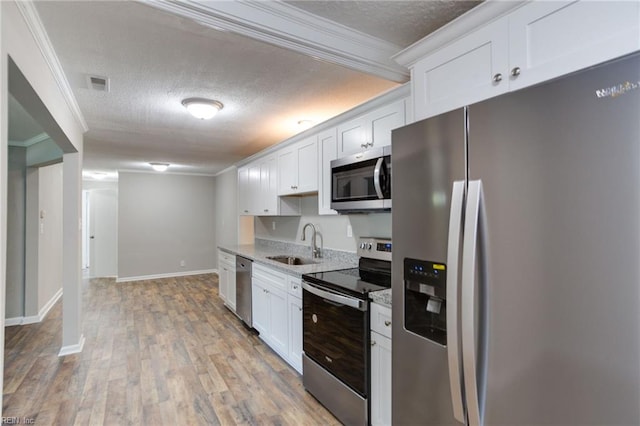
pixel 362 182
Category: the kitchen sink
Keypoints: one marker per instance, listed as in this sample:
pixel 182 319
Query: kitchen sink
pixel 292 260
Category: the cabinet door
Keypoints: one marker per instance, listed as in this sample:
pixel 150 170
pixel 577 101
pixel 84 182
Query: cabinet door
pixel 260 307
pixel 352 137
pixel 287 171
pixel 278 330
pixel 327 151
pixel 254 188
pixel 380 380
pixel 383 120
pixel 271 187
pixel 223 280
pixel 466 71
pixel 295 332
pixel 231 286
pixel 244 196
pixel 307 165
pixel 550 39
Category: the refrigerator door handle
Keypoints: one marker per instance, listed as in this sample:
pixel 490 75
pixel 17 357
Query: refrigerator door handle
pixel 474 347
pixel 453 338
pixel 376 178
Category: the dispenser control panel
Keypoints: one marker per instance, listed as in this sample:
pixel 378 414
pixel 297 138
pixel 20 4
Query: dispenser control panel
pixel 425 299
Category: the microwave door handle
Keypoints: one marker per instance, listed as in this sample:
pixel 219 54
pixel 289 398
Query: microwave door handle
pixel 376 178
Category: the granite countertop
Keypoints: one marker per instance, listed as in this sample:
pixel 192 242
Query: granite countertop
pixel 331 260
pixel 382 297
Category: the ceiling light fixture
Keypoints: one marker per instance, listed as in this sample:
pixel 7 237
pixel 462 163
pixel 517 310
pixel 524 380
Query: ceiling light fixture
pixel 204 109
pixel 159 167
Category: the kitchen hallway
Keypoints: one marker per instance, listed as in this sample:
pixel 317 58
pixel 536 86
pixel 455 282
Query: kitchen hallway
pixel 157 352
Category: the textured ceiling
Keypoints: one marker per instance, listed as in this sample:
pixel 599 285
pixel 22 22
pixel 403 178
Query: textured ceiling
pixel 399 22
pixel 155 59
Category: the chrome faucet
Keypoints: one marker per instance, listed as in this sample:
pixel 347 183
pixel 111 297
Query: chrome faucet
pixel 315 251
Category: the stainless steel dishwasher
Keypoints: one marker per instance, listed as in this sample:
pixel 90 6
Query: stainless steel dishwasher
pixel 243 289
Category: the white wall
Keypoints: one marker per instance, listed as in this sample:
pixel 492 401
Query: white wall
pixel 16 191
pixel 164 219
pixel 21 41
pixel 50 256
pixel 332 230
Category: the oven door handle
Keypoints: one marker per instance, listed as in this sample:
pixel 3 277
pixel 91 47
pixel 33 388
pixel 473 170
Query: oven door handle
pixel 343 300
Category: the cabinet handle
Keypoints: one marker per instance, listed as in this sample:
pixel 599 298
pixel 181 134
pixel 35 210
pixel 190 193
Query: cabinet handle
pixel 246 211
pixel 497 78
pixel 295 287
pixel 300 309
pixel 373 343
pixel 387 323
pixel 266 210
pixel 515 72
pixel 364 145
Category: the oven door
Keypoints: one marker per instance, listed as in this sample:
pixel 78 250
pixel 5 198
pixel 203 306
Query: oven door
pixel 335 334
pixel 362 181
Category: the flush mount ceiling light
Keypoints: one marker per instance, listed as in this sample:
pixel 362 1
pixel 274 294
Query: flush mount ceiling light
pixel 204 109
pixel 159 167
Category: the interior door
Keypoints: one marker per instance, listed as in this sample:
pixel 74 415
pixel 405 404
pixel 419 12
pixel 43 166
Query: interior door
pixel 103 235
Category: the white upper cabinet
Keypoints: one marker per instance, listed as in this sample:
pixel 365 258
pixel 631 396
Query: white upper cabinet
pixel 327 151
pixel 463 72
pixel 548 40
pixel 298 167
pixel 531 44
pixel 371 129
pixel 258 190
pixel 244 192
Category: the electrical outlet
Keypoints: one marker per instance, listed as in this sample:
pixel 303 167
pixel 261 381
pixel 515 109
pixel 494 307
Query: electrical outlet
pixel 273 225
pixel 349 231
pixel 183 263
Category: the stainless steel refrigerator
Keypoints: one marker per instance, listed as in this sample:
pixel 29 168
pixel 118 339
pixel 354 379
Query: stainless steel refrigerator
pixel 516 258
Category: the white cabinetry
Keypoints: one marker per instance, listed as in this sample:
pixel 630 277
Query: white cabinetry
pixel 277 312
pixel 531 44
pixel 380 365
pixel 327 151
pixel 258 190
pixel 244 191
pixel 298 167
pixel 294 304
pixel 372 129
pixel 227 279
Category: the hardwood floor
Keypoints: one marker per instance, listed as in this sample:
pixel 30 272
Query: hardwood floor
pixel 157 352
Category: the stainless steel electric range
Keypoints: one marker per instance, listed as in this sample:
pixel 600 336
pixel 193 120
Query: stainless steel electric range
pixel 336 341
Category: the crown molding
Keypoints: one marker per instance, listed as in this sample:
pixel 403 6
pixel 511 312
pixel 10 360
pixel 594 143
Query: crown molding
pixel 286 26
pixel 32 19
pixel 461 26
pixel 31 141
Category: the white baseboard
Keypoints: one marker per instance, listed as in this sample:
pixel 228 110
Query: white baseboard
pixel 72 349
pixel 169 275
pixel 34 319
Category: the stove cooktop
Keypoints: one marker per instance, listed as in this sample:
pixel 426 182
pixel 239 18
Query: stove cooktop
pixel 351 281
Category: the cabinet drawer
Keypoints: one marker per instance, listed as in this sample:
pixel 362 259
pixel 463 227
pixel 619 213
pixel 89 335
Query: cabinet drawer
pixel 223 256
pixel 271 276
pixel 295 286
pixel 381 319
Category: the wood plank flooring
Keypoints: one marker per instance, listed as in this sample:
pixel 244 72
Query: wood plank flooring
pixel 157 352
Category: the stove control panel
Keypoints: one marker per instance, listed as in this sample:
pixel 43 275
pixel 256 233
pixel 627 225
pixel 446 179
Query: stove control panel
pixel 375 248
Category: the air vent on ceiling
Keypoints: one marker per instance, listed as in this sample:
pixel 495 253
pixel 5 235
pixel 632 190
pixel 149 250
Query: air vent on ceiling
pixel 99 83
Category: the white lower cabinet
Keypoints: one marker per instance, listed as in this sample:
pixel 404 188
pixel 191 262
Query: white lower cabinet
pixel 294 306
pixel 227 278
pixel 277 313
pixel 380 365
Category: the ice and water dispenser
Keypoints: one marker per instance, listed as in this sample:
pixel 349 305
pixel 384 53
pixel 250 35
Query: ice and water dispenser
pixel 425 299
